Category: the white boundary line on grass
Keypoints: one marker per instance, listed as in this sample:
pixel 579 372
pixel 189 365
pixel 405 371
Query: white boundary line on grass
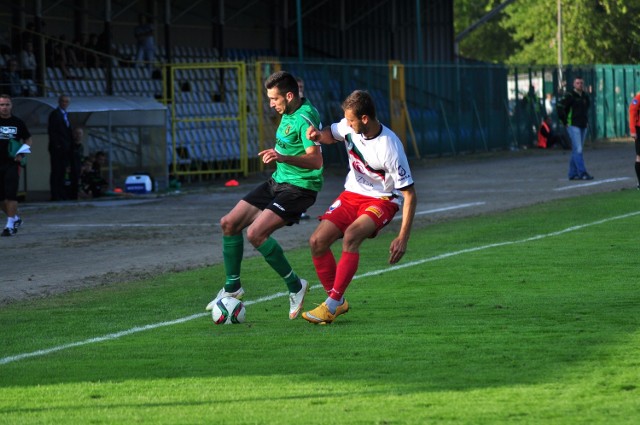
pixel 593 183
pixel 116 335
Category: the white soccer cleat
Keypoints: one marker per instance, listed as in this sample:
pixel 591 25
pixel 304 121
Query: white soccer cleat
pixel 296 300
pixel 221 294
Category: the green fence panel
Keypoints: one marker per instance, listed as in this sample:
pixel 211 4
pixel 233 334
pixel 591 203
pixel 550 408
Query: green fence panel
pixel 464 107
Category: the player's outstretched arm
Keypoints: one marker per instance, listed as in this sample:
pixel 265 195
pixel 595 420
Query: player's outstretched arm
pixel 399 244
pixel 323 136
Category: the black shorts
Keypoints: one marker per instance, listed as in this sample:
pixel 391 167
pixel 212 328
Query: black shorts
pixel 637 141
pixel 9 179
pixel 286 200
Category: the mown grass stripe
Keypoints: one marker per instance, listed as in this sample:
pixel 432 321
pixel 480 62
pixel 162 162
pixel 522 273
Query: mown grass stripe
pixel 137 329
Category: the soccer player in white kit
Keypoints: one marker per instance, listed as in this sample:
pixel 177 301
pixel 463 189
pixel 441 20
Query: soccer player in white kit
pixel 378 181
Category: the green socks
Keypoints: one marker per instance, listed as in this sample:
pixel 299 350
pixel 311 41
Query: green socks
pixel 232 251
pixel 274 255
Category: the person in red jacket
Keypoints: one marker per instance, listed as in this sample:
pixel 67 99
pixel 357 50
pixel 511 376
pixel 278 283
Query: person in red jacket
pixel 634 127
pixel 547 138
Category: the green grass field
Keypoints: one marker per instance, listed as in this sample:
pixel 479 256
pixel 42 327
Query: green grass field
pixel 529 316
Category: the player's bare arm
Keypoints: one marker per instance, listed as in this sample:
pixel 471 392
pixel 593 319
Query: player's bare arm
pixel 312 158
pixel 323 136
pixel 399 244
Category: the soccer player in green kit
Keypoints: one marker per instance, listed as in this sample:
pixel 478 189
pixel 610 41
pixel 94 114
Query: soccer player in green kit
pixel 279 201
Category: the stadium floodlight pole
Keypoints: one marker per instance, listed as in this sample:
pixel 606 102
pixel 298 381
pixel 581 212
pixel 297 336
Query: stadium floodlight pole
pixel 560 44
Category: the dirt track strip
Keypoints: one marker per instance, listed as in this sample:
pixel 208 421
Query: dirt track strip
pixel 67 246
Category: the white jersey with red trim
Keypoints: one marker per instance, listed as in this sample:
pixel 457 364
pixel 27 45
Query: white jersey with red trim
pixel 378 166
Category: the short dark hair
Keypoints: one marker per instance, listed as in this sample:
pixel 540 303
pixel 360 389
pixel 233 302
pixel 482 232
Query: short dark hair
pixel 283 81
pixel 360 103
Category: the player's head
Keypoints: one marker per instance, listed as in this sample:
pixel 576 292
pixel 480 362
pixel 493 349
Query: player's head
pixel 282 91
pixel 360 111
pixel 360 103
pixel 5 106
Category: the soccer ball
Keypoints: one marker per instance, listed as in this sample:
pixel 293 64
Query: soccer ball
pixel 228 310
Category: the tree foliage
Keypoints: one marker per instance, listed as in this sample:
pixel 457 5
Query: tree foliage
pixel 525 32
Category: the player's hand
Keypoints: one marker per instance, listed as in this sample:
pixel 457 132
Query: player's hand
pixel 396 250
pixel 313 133
pixel 269 155
pixel 634 136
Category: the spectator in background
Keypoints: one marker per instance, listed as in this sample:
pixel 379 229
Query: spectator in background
pixel 12 129
pixel 145 43
pixel 549 104
pixel 92 185
pixel 60 140
pixel 69 50
pixel 79 50
pixel 92 48
pixel 75 163
pixel 5 45
pixel 11 83
pixel 573 111
pixel 634 126
pixel 58 56
pixel 547 138
pixel 28 62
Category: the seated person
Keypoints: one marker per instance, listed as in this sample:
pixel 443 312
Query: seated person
pixel 92 185
pixel 547 138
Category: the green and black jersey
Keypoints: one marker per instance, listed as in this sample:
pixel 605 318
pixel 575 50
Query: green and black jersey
pixel 291 140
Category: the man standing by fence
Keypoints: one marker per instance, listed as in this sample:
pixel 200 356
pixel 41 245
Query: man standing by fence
pixel 573 112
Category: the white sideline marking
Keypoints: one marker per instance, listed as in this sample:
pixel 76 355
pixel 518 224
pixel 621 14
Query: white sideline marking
pixel 131 225
pixel 454 207
pixel 591 183
pixel 137 329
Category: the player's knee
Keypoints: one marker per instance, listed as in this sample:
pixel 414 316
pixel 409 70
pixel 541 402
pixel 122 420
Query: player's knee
pixel 228 226
pixel 255 236
pixel 318 245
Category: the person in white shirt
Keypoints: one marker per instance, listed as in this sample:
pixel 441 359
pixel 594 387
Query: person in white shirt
pixel 28 62
pixel 378 180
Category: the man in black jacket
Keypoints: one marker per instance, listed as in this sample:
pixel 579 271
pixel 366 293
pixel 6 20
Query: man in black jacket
pixel 13 133
pixel 60 142
pixel 573 112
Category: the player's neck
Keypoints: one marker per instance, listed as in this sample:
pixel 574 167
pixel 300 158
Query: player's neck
pixel 293 106
pixel 373 130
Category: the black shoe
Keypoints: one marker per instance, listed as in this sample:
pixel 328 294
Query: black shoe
pixel 586 176
pixel 574 178
pixel 17 224
pixel 8 232
pixel 304 216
